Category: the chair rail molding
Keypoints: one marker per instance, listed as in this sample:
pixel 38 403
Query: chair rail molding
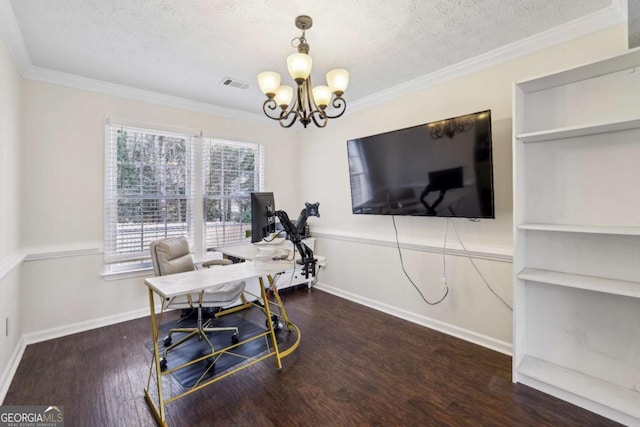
pixel 492 253
pixel 11 261
pixel 65 250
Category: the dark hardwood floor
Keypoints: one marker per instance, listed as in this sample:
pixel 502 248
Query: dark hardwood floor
pixel 355 367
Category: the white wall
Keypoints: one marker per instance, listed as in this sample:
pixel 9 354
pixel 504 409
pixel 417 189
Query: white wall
pixel 362 262
pixel 63 199
pixel 10 254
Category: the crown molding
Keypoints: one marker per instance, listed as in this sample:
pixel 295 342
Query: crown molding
pixel 45 75
pixel 588 24
pixel 10 32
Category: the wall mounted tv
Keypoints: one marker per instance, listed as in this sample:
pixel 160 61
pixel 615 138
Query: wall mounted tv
pixel 442 168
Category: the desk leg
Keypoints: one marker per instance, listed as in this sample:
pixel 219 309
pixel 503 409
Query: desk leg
pixel 276 294
pixel 158 413
pixel 267 312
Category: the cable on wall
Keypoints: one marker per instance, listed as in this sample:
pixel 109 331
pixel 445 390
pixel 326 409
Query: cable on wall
pixel 407 274
pixel 478 270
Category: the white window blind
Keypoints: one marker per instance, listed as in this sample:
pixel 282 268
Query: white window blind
pixel 360 184
pixel 148 193
pixel 231 171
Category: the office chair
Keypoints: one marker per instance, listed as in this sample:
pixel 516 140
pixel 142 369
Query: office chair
pixel 171 256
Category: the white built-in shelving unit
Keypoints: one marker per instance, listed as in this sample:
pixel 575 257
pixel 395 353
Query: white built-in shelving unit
pixel 576 153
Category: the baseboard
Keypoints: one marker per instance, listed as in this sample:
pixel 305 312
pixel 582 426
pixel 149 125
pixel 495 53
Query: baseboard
pixel 10 370
pixel 465 334
pixel 74 328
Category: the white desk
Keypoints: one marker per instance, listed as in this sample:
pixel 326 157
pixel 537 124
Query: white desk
pixel 194 281
pixel 291 273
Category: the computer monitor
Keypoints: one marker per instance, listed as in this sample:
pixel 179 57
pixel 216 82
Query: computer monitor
pixel 446 179
pixel 263 220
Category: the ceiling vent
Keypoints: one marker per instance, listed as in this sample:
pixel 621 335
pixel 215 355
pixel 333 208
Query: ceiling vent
pixel 231 82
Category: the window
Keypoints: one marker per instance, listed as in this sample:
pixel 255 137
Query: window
pixel 359 176
pixel 148 193
pixel 152 180
pixel 231 171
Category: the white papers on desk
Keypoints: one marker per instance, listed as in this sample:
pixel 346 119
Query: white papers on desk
pixel 271 252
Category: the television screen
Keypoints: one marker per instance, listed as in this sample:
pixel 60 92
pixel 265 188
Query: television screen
pixel 263 220
pixel 442 168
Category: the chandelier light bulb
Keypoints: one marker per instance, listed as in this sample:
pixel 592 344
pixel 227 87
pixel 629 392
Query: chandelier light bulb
pixel 321 96
pixel 299 66
pixel 338 80
pixel 269 82
pixel 284 96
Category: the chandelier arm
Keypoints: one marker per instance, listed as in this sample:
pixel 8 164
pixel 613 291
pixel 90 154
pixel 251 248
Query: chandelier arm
pixel 311 106
pixel 437 132
pixel 467 124
pixel 290 113
pixel 270 104
pixel 302 97
pixel 340 105
pixel 450 127
pixel 322 115
pixel 303 102
pixel 284 117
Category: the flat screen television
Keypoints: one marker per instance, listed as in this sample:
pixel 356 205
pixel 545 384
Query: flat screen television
pixel 263 220
pixel 441 168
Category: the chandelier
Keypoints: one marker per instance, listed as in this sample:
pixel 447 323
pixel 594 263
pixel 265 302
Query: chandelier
pixel 450 127
pixel 309 103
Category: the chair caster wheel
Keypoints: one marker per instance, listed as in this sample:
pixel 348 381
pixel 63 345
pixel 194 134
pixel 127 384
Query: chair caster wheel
pixel 235 339
pixel 163 364
pixel 167 341
pixel 274 322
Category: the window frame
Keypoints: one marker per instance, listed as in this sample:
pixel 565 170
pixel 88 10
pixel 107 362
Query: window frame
pixel 196 228
pixel 258 181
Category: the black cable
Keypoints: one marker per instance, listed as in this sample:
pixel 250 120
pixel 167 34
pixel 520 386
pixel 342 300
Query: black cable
pixel 293 273
pixel 407 274
pixel 315 279
pixel 478 270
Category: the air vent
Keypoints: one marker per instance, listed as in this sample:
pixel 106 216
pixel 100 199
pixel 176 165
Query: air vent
pixel 231 82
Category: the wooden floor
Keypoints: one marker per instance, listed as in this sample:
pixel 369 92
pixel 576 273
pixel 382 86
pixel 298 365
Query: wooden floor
pixel 355 367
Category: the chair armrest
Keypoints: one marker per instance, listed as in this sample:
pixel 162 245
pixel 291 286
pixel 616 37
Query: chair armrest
pixel 212 262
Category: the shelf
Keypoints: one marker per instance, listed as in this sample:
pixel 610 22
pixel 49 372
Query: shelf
pixel 584 118
pixel 617 63
pixel 578 281
pixel 594 389
pixel 576 131
pixel 593 229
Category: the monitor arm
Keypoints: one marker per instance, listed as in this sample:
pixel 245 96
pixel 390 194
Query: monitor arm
pixel 310 209
pixel 307 260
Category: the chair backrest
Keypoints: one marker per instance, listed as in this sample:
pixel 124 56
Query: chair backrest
pixel 171 255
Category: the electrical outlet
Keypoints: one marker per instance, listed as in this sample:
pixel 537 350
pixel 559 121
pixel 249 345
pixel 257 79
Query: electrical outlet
pixel 443 280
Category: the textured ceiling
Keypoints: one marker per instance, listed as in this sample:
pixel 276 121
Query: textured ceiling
pixel 184 48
